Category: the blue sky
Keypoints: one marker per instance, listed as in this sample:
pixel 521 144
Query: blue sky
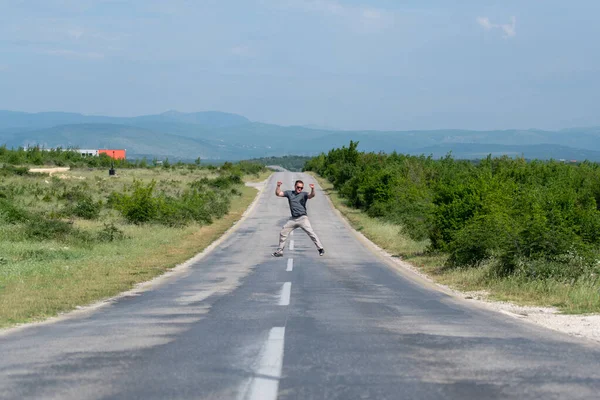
pixel 348 64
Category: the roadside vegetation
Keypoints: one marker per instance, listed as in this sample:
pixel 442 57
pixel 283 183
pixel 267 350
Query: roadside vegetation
pixel 523 231
pixel 74 237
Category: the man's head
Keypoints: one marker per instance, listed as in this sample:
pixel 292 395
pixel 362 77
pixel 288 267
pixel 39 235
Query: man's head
pixel 298 186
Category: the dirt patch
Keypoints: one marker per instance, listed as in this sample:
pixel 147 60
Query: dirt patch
pixel 63 176
pixel 256 185
pixel 587 326
pixel 49 171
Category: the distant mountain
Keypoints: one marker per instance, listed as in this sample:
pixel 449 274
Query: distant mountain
pixel 13 119
pixel 20 120
pixel 224 136
pixel 208 118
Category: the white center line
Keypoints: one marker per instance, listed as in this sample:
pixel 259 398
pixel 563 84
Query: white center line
pixel 265 384
pixel 290 265
pixel 291 245
pixel 284 299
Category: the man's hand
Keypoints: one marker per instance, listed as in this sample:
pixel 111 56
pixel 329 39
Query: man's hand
pixel 279 183
pixel 312 186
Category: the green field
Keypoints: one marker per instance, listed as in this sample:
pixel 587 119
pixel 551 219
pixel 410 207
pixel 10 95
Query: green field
pixel 73 238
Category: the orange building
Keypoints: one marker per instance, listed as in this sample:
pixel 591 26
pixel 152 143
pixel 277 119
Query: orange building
pixel 117 154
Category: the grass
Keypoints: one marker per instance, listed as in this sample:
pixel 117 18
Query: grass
pixel 572 298
pixel 39 279
pixel 261 177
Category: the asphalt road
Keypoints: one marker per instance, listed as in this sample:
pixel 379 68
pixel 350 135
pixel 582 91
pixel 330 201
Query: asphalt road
pixel 240 324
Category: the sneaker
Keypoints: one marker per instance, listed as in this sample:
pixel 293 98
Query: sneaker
pixel 321 252
pixel 277 253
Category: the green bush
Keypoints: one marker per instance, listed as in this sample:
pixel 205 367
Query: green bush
pixel 225 181
pixel 568 267
pixel 204 200
pixel 515 215
pixel 11 214
pixel 87 208
pixel 73 194
pixel 10 170
pixel 250 168
pixel 481 239
pixel 48 229
pixel 193 205
pixel 109 233
pixel 138 207
pixel 222 182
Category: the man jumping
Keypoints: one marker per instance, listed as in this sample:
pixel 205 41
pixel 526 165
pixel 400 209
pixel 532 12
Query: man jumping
pixel 297 200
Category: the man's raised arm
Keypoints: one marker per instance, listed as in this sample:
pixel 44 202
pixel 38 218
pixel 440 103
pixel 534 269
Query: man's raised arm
pixel 278 191
pixel 312 191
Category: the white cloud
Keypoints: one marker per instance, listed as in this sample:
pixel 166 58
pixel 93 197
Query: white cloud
pixel 485 22
pixel 510 30
pixel 74 54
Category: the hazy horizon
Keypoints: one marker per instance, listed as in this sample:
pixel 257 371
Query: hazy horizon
pixel 337 64
pixel 309 126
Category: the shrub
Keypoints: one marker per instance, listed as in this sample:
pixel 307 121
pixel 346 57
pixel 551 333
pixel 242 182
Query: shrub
pixel 454 205
pixel 138 207
pixel 225 182
pixel 515 215
pixel 250 168
pixel 200 203
pixel 12 214
pixel 193 205
pixel 75 193
pixel 110 233
pixel 568 267
pixel 222 182
pixel 200 184
pixel 48 229
pixel 86 208
pixel 480 240
pixel 9 170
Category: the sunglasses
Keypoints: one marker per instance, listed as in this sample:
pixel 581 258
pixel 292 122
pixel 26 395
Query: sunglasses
pixel 299 187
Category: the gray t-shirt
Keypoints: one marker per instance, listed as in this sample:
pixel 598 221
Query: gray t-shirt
pixel 297 202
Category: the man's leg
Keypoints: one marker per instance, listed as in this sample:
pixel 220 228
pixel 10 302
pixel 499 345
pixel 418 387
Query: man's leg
pixel 307 227
pixel 283 235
